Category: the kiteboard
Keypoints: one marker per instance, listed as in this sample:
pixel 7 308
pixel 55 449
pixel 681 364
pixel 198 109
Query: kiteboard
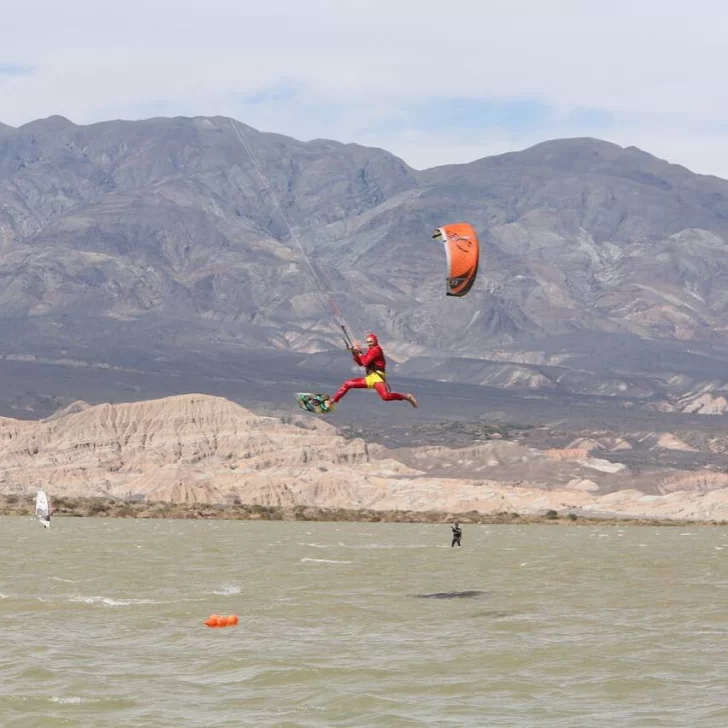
pixel 319 404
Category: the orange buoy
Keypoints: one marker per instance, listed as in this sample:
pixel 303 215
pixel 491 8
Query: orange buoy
pixel 215 620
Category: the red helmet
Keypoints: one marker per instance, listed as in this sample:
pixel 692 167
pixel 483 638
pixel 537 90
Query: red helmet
pixel 372 338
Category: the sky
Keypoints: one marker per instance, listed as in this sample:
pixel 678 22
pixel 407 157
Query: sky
pixel 433 82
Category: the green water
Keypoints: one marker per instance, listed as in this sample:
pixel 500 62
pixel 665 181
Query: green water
pixel 101 624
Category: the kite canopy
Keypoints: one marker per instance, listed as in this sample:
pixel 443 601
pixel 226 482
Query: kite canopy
pixel 463 252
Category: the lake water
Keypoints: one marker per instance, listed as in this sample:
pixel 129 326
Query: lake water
pixel 101 624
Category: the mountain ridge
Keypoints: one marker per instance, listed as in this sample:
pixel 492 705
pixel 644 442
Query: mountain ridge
pixel 158 239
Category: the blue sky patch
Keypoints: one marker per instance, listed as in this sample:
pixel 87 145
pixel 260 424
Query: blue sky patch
pixel 472 115
pixel 14 69
pixel 281 91
pixel 586 118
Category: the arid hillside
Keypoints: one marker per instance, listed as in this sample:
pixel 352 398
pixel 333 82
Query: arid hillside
pixel 203 449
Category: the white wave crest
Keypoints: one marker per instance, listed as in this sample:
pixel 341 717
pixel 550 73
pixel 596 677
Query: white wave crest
pixel 56 699
pixel 227 590
pixel 110 602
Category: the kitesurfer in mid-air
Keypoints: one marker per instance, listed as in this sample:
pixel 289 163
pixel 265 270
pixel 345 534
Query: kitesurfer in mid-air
pixel 457 534
pixel 375 364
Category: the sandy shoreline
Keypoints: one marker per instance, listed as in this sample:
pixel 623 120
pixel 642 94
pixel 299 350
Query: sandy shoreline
pixel 13 505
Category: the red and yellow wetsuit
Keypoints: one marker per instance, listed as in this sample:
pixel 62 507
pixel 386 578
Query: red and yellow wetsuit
pixel 375 364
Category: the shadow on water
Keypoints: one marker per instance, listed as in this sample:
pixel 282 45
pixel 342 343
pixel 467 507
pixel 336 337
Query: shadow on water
pixel 449 595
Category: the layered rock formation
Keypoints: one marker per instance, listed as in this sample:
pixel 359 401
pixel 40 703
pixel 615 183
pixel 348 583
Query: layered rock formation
pixel 204 449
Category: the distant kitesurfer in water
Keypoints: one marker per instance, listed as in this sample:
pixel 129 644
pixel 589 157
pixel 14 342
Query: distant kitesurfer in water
pixel 457 534
pixel 374 363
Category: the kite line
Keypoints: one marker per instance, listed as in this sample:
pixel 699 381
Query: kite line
pixel 325 290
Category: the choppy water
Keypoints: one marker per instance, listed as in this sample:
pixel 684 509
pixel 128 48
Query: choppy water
pixel 101 624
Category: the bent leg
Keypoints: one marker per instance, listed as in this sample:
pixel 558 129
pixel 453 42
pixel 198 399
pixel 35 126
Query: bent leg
pixel 346 386
pixel 386 394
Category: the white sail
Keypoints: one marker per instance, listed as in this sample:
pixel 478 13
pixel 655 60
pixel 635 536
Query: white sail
pixel 43 508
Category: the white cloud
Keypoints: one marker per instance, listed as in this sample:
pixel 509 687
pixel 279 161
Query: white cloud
pixel 657 68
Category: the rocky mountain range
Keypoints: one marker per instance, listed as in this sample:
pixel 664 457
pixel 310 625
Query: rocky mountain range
pixel 175 247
